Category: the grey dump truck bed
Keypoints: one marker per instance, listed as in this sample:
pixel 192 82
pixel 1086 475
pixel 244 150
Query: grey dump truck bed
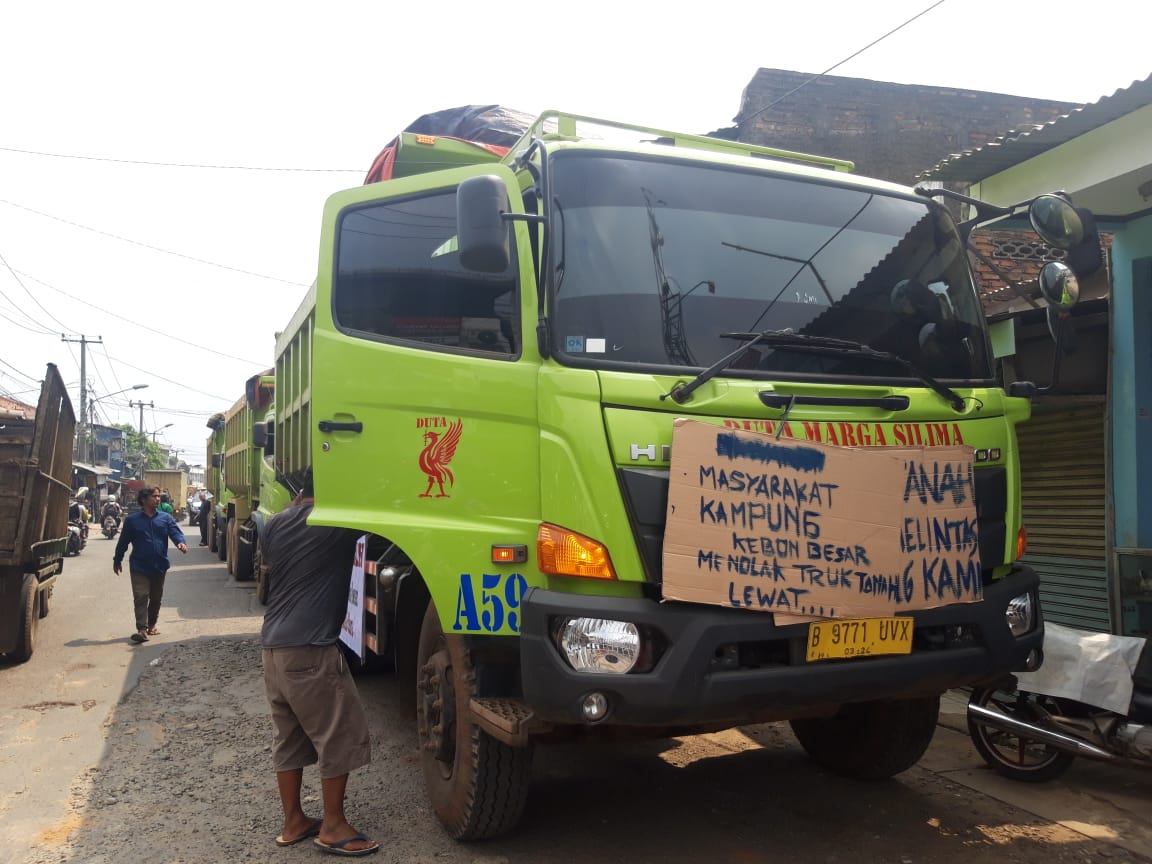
pixel 35 470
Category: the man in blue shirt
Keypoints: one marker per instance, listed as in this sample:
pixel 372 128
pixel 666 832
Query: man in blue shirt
pixel 148 531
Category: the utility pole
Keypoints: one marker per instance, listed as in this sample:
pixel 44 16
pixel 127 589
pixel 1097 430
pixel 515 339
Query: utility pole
pixel 79 448
pixel 143 440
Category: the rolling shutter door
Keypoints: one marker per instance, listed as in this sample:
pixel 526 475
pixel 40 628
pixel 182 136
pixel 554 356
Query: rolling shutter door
pixel 1062 476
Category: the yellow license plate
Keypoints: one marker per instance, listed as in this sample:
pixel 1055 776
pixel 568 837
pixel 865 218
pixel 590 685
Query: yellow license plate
pixel 859 637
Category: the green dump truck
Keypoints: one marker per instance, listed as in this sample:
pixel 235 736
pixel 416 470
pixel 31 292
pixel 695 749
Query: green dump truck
pixel 515 377
pixel 253 491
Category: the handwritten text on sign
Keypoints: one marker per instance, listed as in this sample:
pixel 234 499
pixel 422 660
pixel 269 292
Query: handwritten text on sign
pixel 804 528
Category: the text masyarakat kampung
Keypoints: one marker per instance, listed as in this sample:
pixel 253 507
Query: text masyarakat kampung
pixel 805 528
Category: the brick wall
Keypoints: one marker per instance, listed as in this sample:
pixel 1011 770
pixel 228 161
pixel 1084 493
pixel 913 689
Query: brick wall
pixel 1018 256
pixel 11 407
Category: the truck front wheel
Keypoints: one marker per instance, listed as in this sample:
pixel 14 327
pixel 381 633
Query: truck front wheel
pixel 476 785
pixel 870 740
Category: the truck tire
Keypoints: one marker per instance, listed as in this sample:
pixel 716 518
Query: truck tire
pixel 222 543
pixel 244 559
pixel 230 543
pixel 29 616
pixel 870 740
pixel 211 535
pixel 477 786
pixel 45 597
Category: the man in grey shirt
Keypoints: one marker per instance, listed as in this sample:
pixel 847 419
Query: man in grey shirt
pixel 316 711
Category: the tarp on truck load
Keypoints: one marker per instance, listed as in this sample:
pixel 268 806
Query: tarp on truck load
pixel 465 135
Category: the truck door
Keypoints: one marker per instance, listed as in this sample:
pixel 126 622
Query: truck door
pixel 423 383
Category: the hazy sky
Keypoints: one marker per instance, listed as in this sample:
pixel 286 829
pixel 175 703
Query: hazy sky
pixel 185 273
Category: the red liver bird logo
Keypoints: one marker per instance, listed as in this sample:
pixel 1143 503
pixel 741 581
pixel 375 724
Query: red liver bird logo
pixel 434 458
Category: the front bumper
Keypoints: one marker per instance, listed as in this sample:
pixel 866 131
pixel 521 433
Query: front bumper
pixel 733 666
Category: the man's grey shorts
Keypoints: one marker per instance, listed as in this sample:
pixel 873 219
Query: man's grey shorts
pixel 316 710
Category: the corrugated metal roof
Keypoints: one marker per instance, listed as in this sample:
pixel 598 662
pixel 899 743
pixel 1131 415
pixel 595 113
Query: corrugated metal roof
pixel 1021 145
pixel 92 469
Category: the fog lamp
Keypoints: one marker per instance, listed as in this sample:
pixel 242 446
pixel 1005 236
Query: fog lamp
pixel 599 645
pixel 594 706
pixel 1020 614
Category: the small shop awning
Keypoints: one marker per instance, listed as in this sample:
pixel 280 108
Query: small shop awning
pixel 85 468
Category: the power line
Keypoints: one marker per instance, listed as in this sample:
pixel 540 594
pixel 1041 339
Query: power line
pixel 132 322
pixel 184 164
pixel 775 102
pixel 18 372
pixel 30 294
pixel 155 248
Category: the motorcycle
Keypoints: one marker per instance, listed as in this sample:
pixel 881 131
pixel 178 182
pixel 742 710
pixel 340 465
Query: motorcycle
pixel 110 527
pixel 77 536
pixel 1091 697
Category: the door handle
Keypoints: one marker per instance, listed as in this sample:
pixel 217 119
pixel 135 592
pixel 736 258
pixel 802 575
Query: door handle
pixel 334 426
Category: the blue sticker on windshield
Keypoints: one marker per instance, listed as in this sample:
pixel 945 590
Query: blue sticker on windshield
pixel 574 344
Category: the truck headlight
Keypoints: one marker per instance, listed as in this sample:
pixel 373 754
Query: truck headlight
pixel 599 645
pixel 1020 614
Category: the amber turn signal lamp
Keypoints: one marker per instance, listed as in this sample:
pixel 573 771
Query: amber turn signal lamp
pixel 1021 543
pixel 512 553
pixel 565 553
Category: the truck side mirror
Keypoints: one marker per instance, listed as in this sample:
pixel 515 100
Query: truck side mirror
pixel 480 226
pixel 259 434
pixel 1056 221
pixel 1059 285
pixel 217 460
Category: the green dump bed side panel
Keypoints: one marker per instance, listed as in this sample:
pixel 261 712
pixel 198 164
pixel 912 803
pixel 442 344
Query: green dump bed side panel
pixel 294 391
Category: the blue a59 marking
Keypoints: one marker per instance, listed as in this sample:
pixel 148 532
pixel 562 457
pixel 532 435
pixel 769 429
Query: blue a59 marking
pixel 490 606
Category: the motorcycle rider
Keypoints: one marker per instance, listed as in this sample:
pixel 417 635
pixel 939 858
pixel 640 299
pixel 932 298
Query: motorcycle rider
pixel 112 508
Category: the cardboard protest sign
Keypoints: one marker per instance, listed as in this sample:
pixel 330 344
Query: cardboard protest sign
pixel 808 529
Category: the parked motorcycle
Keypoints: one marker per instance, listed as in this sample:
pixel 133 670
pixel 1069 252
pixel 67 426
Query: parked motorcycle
pixel 110 527
pixel 1092 697
pixel 77 536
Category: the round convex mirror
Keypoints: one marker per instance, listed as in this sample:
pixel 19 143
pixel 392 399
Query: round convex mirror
pixel 1056 221
pixel 1059 286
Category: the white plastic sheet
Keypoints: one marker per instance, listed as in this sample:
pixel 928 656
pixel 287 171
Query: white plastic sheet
pixel 1094 668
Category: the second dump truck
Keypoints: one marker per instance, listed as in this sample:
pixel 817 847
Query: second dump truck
pixel 248 477
pixel 515 376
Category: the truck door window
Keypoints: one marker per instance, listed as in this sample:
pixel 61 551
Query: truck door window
pixel 398 278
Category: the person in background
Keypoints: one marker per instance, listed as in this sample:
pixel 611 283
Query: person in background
pixel 202 517
pixel 148 530
pixel 112 508
pixel 166 505
pixel 317 715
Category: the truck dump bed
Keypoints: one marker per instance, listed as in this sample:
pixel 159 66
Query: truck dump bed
pixel 35 469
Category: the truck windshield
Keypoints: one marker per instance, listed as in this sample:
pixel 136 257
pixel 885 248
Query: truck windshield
pixel 655 261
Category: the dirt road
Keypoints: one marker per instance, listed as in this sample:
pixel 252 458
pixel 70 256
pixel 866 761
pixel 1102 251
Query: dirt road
pixel 186 780
pixel 165 748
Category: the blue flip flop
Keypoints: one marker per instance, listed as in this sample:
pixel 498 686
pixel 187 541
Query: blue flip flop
pixel 338 847
pixel 311 832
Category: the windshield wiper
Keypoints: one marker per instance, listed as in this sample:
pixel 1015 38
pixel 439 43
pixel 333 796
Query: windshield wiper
pixel 814 345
